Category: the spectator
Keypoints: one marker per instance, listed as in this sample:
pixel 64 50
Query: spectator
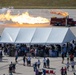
pixel 35 52
pixel 71 57
pixel 67 65
pixel 36 72
pixel 29 61
pixel 35 66
pixel 44 62
pixel 72 65
pixel 50 52
pixel 62 57
pixel 67 57
pixel 44 72
pixel 65 71
pixel 64 49
pixel 16 56
pixel 62 71
pixel 48 62
pixel 0 55
pixel 5 51
pixel 10 68
pixel 13 67
pixel 24 60
pixel 38 63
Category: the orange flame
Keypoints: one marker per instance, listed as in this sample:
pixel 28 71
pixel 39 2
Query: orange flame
pixel 23 18
pixel 58 12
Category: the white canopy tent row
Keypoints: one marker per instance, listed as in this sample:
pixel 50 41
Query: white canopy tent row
pixel 53 35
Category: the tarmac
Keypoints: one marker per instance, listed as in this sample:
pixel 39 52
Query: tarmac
pixel 55 64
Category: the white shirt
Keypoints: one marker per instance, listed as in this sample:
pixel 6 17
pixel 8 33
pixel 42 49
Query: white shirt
pixel 38 62
pixel 29 58
pixel 72 63
pixel 44 60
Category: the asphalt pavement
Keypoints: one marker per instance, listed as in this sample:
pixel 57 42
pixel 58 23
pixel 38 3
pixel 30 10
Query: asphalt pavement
pixel 55 64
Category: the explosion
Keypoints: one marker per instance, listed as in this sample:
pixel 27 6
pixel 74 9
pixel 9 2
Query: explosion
pixel 22 18
pixel 59 12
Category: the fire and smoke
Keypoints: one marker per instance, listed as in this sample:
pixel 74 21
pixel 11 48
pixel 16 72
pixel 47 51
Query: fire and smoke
pixel 22 18
pixel 59 12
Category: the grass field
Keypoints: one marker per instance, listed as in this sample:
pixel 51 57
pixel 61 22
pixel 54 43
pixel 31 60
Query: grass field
pixel 38 3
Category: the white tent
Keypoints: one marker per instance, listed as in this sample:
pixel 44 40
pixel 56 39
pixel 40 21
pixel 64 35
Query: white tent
pixel 53 35
pixel 41 35
pixel 25 35
pixel 60 36
pixel 9 35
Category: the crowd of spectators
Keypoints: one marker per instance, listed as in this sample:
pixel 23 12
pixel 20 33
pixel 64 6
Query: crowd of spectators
pixel 54 50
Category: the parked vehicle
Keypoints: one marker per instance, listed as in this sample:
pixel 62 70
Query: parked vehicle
pixel 62 21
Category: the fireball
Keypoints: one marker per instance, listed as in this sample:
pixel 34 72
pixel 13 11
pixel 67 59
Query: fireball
pixel 59 12
pixel 22 18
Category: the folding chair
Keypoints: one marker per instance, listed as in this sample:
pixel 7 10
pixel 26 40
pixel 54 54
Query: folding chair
pixel 47 72
pixel 52 72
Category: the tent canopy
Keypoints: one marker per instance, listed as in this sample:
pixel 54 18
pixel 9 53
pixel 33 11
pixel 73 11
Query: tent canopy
pixel 53 35
pixel 25 35
pixel 9 35
pixel 41 35
pixel 60 36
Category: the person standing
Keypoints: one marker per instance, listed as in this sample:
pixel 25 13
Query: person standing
pixel 29 61
pixel 38 63
pixel 71 57
pixel 65 70
pixel 24 60
pixel 44 72
pixel 36 72
pixel 0 55
pixel 48 62
pixel 44 62
pixel 35 52
pixel 16 56
pixel 67 65
pixel 10 68
pixel 35 66
pixel 67 57
pixel 62 71
pixel 13 67
pixel 62 57
pixel 72 65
